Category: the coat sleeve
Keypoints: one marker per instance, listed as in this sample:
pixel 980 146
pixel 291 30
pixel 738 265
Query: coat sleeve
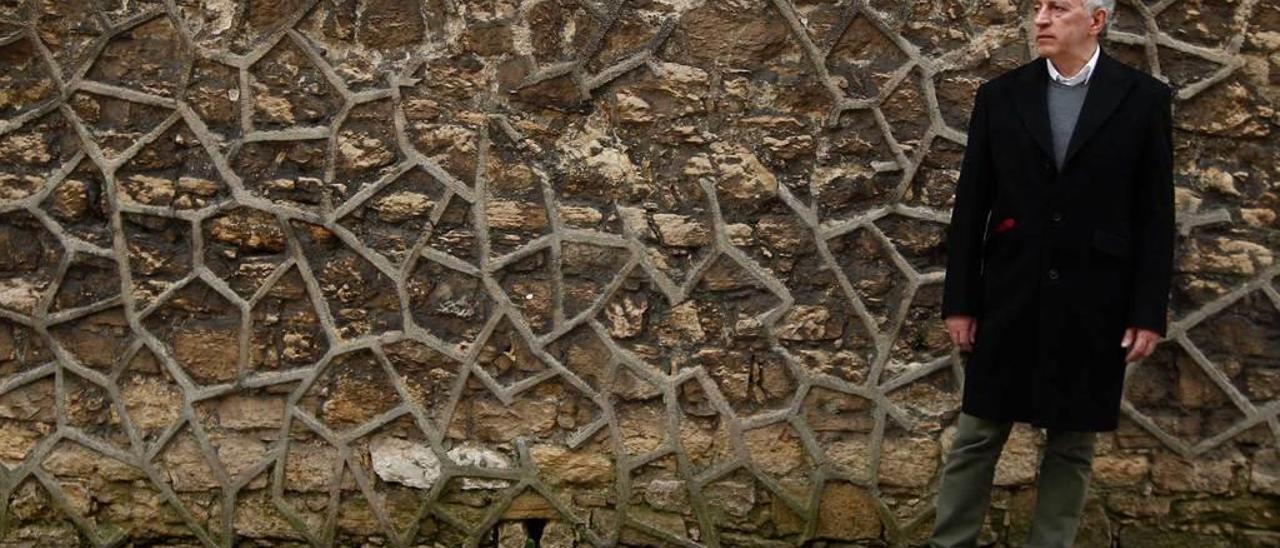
pixel 962 287
pixel 1153 221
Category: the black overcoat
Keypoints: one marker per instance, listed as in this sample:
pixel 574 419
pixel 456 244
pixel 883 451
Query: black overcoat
pixel 1056 263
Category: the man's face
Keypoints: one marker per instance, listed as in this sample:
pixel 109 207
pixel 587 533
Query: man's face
pixel 1061 25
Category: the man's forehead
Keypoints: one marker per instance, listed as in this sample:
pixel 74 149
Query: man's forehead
pixel 1065 3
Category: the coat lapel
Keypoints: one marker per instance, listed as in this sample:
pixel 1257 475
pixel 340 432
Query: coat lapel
pixel 1032 105
pixel 1107 87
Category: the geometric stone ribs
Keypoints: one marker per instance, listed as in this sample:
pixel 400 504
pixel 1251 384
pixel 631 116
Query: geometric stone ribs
pixel 593 272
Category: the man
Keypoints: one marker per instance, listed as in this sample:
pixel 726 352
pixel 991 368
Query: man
pixel 1059 258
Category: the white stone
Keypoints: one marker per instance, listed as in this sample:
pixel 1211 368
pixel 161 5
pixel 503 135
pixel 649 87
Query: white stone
pixel 401 461
pixel 480 457
pixel 19 294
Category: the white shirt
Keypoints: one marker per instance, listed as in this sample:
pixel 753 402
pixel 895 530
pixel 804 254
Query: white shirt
pixel 1080 77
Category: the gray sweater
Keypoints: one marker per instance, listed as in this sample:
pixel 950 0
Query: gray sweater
pixel 1064 109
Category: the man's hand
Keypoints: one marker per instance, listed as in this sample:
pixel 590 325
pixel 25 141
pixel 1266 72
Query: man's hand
pixel 963 330
pixel 1140 343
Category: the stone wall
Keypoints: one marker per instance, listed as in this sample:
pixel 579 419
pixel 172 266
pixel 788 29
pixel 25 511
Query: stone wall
pixel 590 272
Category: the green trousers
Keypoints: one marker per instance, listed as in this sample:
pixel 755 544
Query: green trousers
pixel 965 489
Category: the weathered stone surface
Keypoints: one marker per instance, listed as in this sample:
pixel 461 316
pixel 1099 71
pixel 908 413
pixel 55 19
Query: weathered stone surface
pixel 482 458
pixel 402 206
pixel 1120 470
pixel 1253 513
pixel 1208 474
pixel 734 498
pixel 626 317
pixel 512 535
pixel 908 461
pixel 152 402
pixel 733 34
pixel 1152 537
pixel 1264 475
pixel 512 215
pixel 250 412
pixel 308 468
pixel 186 467
pixel 659 267
pixel 76 461
pixel 401 461
pixel 1133 504
pixel 257 518
pixel 669 523
pixel 667 495
pixel 849 514
pixel 739 176
pixel 240 454
pixel 250 230
pixel 852 456
pixel 808 323
pixel 681 230
pixel 558 534
pixel 208 353
pixel 561 465
pixel 775 449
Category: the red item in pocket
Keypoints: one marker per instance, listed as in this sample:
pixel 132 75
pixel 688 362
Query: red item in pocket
pixel 1004 225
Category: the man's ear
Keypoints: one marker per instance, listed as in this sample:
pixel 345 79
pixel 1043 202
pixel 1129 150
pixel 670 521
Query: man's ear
pixel 1099 23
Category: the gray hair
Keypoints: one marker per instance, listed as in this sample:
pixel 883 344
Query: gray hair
pixel 1095 5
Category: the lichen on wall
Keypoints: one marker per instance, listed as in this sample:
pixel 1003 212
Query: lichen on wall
pixel 574 272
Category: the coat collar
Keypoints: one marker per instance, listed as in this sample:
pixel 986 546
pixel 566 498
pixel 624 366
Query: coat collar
pixel 1108 85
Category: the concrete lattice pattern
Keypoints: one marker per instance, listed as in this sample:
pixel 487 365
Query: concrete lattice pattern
pixel 661 272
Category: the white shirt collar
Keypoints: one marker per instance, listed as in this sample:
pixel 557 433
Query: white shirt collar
pixel 1080 77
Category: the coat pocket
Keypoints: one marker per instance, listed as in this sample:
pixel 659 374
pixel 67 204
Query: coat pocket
pixel 996 242
pixel 1112 244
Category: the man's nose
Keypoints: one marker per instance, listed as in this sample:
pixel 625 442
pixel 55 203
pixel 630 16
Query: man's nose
pixel 1042 17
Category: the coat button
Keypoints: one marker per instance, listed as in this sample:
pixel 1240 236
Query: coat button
pixel 1053 273
pixel 1057 216
pixel 1047 166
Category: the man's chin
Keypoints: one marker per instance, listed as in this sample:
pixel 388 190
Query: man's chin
pixel 1044 50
